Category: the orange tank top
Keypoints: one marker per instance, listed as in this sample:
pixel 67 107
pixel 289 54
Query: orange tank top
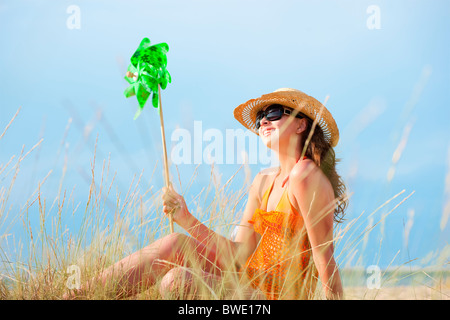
pixel 281 266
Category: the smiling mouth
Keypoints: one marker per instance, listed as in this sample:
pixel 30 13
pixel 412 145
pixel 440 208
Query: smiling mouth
pixel 266 132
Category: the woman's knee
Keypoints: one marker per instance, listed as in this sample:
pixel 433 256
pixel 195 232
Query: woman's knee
pixel 170 244
pixel 175 283
pixel 180 249
pixel 176 240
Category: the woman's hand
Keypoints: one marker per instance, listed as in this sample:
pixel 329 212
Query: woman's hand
pixel 174 204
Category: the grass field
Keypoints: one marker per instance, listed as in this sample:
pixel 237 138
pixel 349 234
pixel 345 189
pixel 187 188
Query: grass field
pixel 52 257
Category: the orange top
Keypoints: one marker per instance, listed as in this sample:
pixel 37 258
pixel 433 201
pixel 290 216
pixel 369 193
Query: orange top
pixel 281 266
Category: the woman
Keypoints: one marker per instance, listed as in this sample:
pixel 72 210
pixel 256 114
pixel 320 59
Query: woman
pixel 287 220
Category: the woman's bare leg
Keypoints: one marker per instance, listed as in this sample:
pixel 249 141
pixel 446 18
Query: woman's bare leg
pixel 144 267
pixel 187 283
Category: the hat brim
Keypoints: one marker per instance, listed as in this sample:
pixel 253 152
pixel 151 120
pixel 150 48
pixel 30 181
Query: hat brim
pixel 295 99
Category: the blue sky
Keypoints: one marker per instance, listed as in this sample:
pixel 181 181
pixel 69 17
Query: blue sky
pixel 380 82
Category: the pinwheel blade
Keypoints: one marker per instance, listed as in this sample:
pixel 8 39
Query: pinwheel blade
pixel 148 65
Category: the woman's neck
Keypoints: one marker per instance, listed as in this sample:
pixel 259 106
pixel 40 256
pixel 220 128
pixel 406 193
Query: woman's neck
pixel 287 161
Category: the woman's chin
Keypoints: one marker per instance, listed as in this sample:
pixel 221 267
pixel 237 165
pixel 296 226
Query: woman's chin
pixel 271 141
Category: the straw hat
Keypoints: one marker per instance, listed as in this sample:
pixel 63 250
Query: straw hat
pixel 292 98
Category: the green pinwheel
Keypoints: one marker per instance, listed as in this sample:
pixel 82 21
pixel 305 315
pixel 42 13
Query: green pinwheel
pixel 147 73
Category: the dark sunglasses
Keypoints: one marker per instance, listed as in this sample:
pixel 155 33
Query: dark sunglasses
pixel 274 113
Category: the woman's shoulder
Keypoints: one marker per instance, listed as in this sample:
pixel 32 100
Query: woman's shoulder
pixel 306 174
pixel 309 184
pixel 305 171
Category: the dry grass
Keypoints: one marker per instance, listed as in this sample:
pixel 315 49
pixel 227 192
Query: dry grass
pixel 112 229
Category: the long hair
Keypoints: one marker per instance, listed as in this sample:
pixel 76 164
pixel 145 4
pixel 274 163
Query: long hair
pixel 323 155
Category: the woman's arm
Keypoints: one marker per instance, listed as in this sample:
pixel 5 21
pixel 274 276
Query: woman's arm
pixel 246 234
pixel 236 251
pixel 314 196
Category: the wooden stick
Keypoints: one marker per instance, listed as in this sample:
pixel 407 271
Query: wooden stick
pixel 166 165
